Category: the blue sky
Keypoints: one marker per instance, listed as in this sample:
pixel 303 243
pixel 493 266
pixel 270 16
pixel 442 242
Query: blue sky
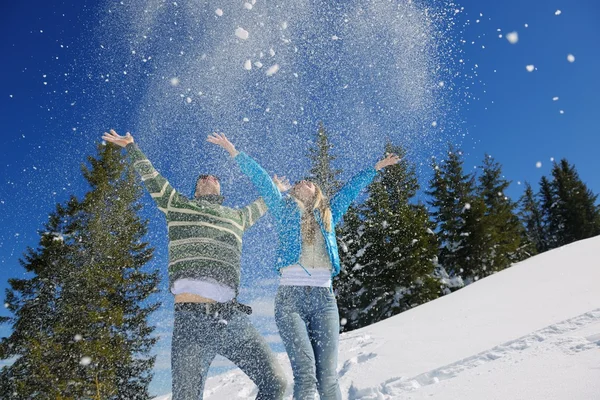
pixel 74 69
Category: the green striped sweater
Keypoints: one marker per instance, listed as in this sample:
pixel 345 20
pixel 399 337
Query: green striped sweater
pixel 205 238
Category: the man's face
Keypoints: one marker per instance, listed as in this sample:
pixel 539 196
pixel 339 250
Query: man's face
pixel 208 184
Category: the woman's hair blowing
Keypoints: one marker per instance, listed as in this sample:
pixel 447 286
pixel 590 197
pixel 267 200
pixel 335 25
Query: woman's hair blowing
pixel 308 223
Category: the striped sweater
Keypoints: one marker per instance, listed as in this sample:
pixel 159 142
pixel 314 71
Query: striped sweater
pixel 205 238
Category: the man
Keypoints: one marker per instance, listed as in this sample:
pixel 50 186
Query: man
pixel 205 243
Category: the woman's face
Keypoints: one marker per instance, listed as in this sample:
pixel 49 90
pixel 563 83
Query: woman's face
pixel 304 191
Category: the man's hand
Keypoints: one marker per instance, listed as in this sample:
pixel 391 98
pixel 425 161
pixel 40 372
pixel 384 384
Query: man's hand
pixel 390 159
pixel 221 140
pixel 282 183
pixel 113 137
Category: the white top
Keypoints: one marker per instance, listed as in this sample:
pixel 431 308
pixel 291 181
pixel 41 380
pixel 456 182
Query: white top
pixel 295 275
pixel 207 288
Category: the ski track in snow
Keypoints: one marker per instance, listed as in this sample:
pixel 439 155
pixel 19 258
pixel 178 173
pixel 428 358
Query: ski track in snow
pixel 547 339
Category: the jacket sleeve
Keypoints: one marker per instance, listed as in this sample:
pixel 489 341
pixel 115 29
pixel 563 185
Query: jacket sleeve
pixel 161 191
pixel 340 202
pixel 252 213
pixel 262 181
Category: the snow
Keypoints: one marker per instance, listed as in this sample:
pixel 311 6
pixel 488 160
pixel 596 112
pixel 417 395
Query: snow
pixel 85 361
pixel 241 33
pixel 538 164
pixel 529 332
pixel 558 12
pixel 248 65
pixel 555 98
pixel 512 37
pixel 530 68
pixel 273 70
pixel 248 6
pixel 571 58
pixel 258 64
pixel 174 81
pixel 219 12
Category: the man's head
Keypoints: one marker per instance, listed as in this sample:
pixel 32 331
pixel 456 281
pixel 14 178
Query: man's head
pixel 207 185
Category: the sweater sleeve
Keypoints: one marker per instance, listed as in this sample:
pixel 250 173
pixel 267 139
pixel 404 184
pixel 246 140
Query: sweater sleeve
pixel 252 212
pixel 159 188
pixel 347 194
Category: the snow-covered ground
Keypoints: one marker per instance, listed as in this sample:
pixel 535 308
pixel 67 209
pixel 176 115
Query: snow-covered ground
pixel 531 332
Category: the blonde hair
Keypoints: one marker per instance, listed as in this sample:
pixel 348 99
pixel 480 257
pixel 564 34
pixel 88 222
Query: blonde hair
pixel 308 223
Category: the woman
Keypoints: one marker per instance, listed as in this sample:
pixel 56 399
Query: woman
pixel 307 258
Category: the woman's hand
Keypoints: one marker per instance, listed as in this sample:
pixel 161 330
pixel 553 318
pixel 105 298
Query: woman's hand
pixel 390 159
pixel 221 140
pixel 113 137
pixel 282 183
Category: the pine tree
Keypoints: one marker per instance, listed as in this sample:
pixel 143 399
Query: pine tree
pixel 457 214
pixel 575 207
pixel 551 219
pixel 503 230
pixel 348 283
pixel 390 264
pixel 80 325
pixel 34 346
pixel 321 159
pixel 532 219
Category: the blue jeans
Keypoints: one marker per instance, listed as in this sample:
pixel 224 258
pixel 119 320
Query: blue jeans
pixel 198 337
pixel 309 326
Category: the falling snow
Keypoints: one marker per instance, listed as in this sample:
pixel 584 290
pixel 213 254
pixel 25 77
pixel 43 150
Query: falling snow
pixel 241 33
pixel 272 70
pixel 512 37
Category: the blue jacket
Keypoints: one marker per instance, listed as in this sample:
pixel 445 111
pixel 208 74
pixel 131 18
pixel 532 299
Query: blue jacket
pixel 287 213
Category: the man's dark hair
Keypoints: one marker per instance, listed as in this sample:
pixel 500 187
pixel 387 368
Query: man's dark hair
pixel 203 176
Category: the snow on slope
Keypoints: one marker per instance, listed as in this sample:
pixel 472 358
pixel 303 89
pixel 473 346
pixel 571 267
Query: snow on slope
pixel 529 332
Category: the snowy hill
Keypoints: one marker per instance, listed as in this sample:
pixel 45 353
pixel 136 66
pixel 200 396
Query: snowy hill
pixel 531 332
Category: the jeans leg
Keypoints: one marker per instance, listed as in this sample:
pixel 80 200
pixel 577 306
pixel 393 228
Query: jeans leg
pixel 324 328
pixel 245 347
pixel 294 335
pixel 192 350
